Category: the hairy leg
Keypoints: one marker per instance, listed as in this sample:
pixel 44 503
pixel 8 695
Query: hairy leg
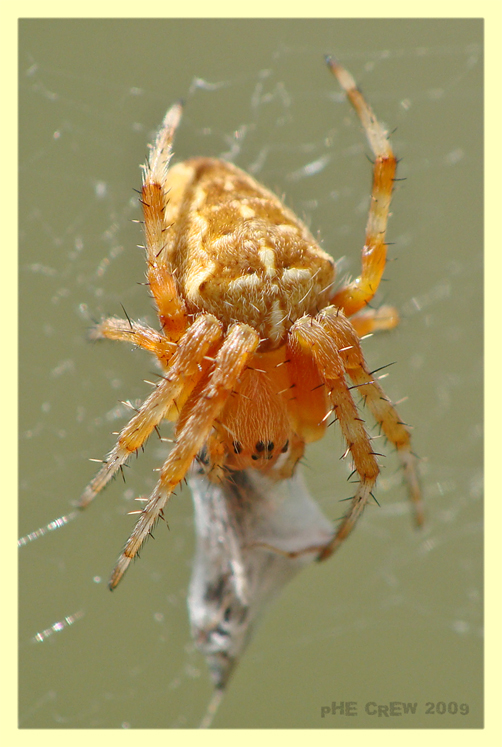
pixel 309 334
pixel 375 320
pixel 184 366
pixel 194 427
pixel 154 198
pixel 356 294
pixel 137 334
pixel 341 331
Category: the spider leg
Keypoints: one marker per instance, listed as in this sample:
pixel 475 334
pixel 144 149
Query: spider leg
pixel 340 330
pixel 137 334
pixel 154 198
pixel 309 334
pixel 375 320
pixel 195 424
pixel 356 294
pixel 183 368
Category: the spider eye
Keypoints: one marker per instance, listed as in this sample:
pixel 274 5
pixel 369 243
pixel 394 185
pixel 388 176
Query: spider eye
pixel 260 446
pixel 270 446
pixel 237 447
pixel 285 447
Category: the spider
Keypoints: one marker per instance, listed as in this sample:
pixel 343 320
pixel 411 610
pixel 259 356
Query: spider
pixel 254 344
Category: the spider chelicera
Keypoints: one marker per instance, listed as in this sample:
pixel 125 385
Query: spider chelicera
pixel 255 346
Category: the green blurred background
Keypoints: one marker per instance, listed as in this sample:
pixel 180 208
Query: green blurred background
pixel 396 615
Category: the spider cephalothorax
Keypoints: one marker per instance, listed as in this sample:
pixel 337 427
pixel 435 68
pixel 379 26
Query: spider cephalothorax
pixel 255 345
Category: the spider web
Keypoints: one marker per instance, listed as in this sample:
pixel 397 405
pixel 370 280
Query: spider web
pixel 397 614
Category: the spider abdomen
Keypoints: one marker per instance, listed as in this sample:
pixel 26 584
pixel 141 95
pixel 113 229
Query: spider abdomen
pixel 239 253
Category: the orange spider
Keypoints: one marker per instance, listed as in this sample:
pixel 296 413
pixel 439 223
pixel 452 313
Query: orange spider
pixel 254 345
